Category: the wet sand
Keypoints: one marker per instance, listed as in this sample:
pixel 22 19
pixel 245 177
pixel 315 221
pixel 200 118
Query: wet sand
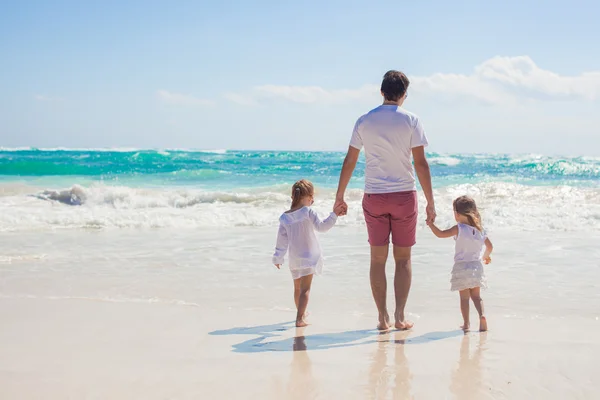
pixel 169 315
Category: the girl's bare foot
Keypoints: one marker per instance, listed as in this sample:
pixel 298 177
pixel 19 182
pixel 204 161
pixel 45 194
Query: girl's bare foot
pixel 404 325
pixel 301 323
pixel 483 324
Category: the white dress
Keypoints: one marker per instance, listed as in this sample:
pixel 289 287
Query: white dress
pixel 297 236
pixel 468 271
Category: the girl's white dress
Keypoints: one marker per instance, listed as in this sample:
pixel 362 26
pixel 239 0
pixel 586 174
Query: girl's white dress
pixel 468 270
pixel 297 236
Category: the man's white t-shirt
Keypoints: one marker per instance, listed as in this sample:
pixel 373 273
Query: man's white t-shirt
pixel 388 133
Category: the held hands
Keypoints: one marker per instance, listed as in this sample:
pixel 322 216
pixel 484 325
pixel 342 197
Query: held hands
pixel 340 210
pixel 340 207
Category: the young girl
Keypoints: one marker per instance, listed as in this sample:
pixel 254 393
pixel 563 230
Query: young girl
pixel 468 276
pixel 296 234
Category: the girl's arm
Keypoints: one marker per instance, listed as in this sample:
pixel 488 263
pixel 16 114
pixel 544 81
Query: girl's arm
pixel 322 226
pixel 281 247
pixel 444 234
pixel 489 247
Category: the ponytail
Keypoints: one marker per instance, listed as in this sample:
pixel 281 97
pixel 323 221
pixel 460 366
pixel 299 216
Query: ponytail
pixel 300 190
pixel 466 207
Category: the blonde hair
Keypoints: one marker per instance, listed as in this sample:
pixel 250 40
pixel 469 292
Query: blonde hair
pixel 300 190
pixel 466 207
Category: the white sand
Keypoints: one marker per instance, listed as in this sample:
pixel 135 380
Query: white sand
pixel 202 314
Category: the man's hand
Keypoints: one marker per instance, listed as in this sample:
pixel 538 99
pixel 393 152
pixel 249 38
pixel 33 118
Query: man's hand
pixel 430 210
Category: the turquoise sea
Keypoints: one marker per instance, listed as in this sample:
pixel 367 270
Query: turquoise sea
pixel 156 188
pixel 230 169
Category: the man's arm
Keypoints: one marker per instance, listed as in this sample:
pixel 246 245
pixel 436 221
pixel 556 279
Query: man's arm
pixel 347 170
pixel 424 175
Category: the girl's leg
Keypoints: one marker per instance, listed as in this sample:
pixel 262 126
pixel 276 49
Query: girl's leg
pixel 296 292
pixel 304 284
pixel 478 303
pixel 464 308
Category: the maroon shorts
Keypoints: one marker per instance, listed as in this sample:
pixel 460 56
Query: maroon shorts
pixel 394 213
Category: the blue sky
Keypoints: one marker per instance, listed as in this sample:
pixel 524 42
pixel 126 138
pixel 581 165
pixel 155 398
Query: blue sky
pixel 518 77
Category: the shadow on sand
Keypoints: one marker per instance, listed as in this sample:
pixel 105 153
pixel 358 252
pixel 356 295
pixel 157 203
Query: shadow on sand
pixel 268 334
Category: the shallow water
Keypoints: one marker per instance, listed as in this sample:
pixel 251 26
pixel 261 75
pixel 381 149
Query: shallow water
pixel 175 314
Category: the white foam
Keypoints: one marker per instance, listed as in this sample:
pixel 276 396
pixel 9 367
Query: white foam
pixel 448 161
pixel 503 205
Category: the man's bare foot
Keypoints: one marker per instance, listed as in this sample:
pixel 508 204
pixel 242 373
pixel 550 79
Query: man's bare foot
pixel 401 322
pixel 483 324
pixel 404 325
pixel 383 326
pixel 384 322
pixel 465 327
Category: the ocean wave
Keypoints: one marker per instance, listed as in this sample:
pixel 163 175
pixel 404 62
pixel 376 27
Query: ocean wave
pixel 448 161
pixel 503 206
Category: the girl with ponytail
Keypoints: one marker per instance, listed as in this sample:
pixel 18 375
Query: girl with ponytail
pixel 468 276
pixel 297 237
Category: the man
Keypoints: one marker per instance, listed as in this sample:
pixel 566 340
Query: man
pixel 390 135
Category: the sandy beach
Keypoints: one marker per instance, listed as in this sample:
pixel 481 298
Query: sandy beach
pixel 156 159
pixel 168 315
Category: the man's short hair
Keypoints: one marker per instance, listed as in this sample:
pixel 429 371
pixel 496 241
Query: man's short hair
pixel 394 85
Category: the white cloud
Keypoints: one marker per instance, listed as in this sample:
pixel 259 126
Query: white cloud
pixel 499 80
pixel 41 97
pixel 182 99
pixel 522 72
pixel 241 99
pixel 506 79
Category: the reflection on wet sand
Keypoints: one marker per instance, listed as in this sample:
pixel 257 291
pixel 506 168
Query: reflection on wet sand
pixel 383 380
pixel 381 376
pixel 467 379
pixel 302 384
pixel 402 386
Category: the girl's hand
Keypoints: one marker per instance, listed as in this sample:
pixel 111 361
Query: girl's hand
pixel 487 260
pixel 278 266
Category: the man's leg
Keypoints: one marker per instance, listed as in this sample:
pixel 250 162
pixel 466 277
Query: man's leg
pixel 404 231
pixel 379 255
pixel 402 281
